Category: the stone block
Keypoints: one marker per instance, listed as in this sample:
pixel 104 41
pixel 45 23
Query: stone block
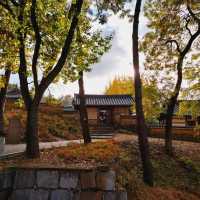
pixel 117 195
pixel 24 179
pixel 6 180
pixel 109 196
pixel 88 180
pixel 90 195
pixel 30 195
pixel 106 180
pixel 69 180
pixel 47 179
pixel 121 195
pixel 61 195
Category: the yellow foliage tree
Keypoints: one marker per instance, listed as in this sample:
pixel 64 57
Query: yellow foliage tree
pixel 151 95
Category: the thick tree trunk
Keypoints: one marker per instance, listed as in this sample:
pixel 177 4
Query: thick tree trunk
pixel 83 111
pixel 32 104
pixel 141 126
pixel 32 141
pixel 3 92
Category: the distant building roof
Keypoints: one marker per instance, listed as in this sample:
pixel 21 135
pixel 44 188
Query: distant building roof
pixel 13 93
pixel 105 100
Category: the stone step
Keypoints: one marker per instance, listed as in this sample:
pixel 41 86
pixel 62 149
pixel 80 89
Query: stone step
pixel 101 136
pixel 101 133
pixel 101 129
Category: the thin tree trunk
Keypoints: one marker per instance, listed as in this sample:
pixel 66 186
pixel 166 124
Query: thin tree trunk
pixel 173 99
pixel 3 92
pixel 32 141
pixel 170 110
pixel 141 126
pixel 83 111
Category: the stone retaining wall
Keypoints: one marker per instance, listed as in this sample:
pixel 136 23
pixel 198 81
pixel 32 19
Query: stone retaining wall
pixel 59 184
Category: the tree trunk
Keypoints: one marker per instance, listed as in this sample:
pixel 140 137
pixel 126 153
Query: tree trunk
pixel 2 132
pixel 173 99
pixel 170 110
pixel 32 103
pixel 32 141
pixel 83 111
pixel 3 92
pixel 141 126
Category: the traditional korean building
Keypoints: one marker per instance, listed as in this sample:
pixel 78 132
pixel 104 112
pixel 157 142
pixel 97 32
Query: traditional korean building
pixel 107 110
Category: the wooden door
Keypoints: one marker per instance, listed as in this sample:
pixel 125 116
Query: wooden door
pixel 105 116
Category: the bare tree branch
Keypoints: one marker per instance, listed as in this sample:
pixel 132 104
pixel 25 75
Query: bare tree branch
pixel 45 82
pixel 23 64
pixel 190 42
pixel 176 43
pixel 197 19
pixel 186 25
pixel 37 44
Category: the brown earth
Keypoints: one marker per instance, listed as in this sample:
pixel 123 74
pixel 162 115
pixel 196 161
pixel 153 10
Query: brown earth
pixel 176 178
pixel 54 123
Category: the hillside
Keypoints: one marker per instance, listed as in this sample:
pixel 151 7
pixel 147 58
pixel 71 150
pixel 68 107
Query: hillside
pixel 175 178
pixel 54 123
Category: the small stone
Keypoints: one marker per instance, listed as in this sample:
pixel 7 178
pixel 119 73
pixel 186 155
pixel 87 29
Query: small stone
pixel 30 195
pixel 88 180
pixel 24 179
pixel 90 196
pixel 61 195
pixel 47 179
pixel 69 180
pixel 106 180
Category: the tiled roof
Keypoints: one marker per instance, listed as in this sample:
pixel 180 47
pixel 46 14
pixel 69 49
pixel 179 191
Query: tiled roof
pixel 105 100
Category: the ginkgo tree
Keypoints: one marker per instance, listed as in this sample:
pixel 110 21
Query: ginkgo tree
pixel 174 30
pixel 152 95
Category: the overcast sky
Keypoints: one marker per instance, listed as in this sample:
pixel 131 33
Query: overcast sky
pixel 117 62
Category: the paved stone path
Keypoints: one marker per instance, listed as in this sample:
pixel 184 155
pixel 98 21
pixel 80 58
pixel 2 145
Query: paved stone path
pixel 20 148
pixel 192 148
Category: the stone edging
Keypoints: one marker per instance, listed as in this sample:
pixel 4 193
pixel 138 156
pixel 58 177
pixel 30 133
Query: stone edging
pixel 59 184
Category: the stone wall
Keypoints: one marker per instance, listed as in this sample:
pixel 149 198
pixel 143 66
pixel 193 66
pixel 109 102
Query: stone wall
pixel 59 184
